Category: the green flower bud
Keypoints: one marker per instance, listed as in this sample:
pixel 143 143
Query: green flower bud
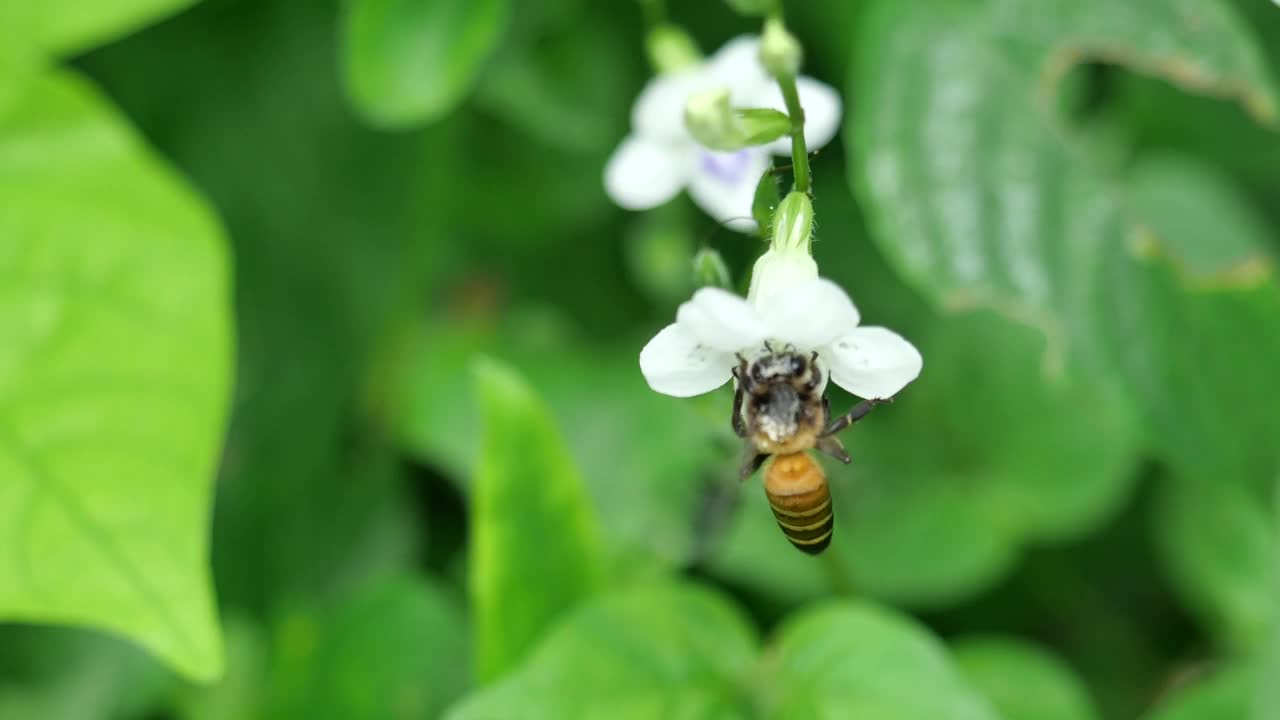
pixel 671 49
pixel 793 223
pixel 709 270
pixel 717 126
pixel 780 52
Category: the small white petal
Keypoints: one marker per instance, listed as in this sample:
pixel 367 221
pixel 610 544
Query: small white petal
pixel 673 363
pixel 810 315
pixel 736 65
pixel 658 112
pixel 721 320
pixel 872 362
pixel 822 110
pixel 724 185
pixel 644 173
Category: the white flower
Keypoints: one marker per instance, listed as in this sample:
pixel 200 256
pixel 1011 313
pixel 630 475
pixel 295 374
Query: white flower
pixel 697 353
pixel 659 158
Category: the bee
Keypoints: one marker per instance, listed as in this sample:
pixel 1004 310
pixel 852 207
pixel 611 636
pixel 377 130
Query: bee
pixel 780 412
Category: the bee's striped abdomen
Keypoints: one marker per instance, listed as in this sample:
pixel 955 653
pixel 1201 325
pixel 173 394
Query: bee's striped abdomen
pixel 797 492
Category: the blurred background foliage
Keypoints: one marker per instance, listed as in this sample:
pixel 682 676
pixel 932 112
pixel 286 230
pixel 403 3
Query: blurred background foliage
pixel 1073 514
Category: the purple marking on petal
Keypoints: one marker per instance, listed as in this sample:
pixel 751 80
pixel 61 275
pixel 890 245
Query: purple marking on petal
pixel 725 167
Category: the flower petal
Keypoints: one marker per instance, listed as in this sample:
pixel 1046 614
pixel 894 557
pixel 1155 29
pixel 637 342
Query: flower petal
pixel 658 112
pixel 873 362
pixel 736 65
pixel 822 109
pixel 721 320
pixel 810 315
pixel 673 363
pixel 724 189
pixel 644 173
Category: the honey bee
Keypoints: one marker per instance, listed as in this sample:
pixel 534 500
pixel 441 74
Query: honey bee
pixel 780 412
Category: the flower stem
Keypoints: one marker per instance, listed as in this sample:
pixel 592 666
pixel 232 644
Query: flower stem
pixel 799 153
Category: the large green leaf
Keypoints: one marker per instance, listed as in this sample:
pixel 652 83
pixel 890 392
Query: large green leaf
pixel 978 193
pixel 395 649
pixel 657 651
pixel 535 545
pixel 1023 681
pixel 113 379
pixel 411 61
pixel 330 248
pixel 852 660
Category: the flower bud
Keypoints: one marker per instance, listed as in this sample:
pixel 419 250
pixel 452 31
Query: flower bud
pixel 671 49
pixel 709 270
pixel 780 52
pixel 711 121
pixel 793 223
pixel 717 126
pixel 787 262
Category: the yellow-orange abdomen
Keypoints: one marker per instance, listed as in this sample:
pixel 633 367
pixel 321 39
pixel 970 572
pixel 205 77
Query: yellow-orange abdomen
pixel 797 492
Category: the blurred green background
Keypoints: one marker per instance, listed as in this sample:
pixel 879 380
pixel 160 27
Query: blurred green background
pixel 442 487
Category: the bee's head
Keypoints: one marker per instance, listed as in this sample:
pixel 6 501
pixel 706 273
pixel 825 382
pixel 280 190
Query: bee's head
pixel 786 366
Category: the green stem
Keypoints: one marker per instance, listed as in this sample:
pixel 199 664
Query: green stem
pixel 799 153
pixel 836 572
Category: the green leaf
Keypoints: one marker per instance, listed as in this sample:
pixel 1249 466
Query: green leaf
pixel 533 530
pixel 54 673
pixel 1195 325
pixel 1219 544
pixel 977 192
pixel 566 82
pixel 395 649
pixel 1013 456
pixel 408 62
pixel 766 201
pixel 241 692
pixel 645 476
pixel 1023 681
pixel 656 651
pixel 1221 695
pixel 67 27
pixel 113 379
pixel 852 660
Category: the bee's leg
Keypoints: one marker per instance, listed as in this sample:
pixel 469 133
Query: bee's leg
pixel 739 427
pixel 858 412
pixel 751 462
pixel 832 446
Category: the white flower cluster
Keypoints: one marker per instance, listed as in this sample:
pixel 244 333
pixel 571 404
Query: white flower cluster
pixel 660 158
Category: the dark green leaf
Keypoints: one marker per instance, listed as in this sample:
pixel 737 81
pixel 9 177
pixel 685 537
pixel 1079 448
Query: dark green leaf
pixel 114 379
pixel 1023 681
pixel 533 530
pixel 655 651
pixel 412 61
pixel 395 649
